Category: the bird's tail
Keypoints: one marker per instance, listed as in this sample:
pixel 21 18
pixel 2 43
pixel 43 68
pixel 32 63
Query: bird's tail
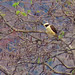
pixel 56 35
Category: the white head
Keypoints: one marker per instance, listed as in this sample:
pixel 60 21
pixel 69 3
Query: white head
pixel 46 24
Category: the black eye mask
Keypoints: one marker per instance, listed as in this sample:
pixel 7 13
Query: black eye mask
pixel 46 25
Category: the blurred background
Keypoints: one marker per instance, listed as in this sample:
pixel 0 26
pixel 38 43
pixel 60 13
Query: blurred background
pixel 25 48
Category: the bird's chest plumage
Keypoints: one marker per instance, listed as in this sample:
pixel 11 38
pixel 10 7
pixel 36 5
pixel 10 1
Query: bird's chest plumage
pixel 49 31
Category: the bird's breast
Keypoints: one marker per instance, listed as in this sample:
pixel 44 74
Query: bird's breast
pixel 49 31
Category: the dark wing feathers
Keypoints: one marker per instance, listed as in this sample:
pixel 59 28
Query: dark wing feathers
pixel 53 28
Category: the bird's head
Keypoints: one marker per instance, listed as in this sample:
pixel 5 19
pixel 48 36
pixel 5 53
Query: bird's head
pixel 46 24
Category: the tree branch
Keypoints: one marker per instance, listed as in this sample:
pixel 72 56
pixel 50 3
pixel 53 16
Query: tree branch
pixel 4 70
pixel 65 65
pixel 56 71
pixel 21 30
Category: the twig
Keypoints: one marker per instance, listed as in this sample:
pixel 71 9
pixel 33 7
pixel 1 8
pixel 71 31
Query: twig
pixel 21 30
pixel 56 71
pixel 66 65
pixel 4 70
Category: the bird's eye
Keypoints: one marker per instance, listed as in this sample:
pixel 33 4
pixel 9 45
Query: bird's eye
pixel 46 25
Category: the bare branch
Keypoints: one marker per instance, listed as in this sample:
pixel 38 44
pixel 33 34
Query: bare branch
pixel 66 65
pixel 4 70
pixel 56 71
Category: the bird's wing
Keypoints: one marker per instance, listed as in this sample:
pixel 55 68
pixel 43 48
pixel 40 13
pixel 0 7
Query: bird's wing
pixel 53 28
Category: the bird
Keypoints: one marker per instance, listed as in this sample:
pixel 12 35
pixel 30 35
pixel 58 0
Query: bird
pixel 50 30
